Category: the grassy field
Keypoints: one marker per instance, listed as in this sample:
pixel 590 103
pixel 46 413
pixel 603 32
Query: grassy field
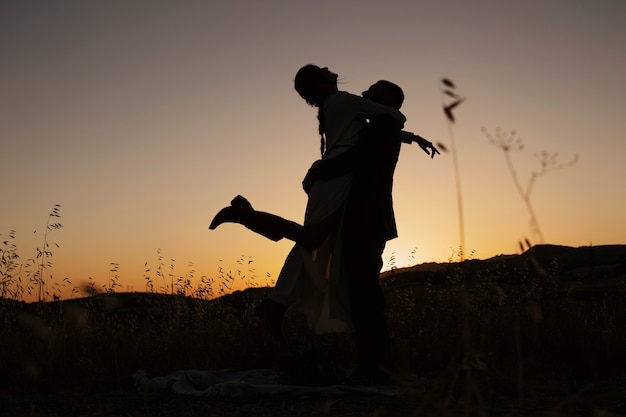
pixel 536 334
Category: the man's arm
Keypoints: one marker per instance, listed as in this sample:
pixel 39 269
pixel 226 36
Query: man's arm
pixel 380 128
pixel 326 169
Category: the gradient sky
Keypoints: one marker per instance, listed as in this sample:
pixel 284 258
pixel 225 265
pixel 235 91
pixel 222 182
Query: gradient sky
pixel 143 118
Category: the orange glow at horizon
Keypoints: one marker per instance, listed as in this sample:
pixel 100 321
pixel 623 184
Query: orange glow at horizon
pixel 142 130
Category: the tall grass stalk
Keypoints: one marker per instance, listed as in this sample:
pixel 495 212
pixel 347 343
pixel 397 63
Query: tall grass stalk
pixel 10 269
pixel 448 92
pixel 45 253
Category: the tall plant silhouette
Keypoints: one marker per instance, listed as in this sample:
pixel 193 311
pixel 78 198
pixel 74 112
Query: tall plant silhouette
pixel 10 269
pixel 509 142
pixel 45 253
pixel 450 100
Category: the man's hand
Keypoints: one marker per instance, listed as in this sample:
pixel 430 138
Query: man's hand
pixel 327 169
pixel 312 175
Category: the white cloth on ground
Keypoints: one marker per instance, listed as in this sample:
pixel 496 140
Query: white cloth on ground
pixel 234 383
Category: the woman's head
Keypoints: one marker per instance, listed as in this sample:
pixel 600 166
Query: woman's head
pixel 314 84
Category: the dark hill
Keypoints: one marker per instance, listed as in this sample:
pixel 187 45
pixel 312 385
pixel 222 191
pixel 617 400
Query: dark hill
pixel 583 268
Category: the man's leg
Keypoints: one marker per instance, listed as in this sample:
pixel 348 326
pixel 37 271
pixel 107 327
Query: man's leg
pixel 367 304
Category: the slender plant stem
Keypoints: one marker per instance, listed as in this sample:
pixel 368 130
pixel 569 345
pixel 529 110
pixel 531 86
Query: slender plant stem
pixel 459 197
pixel 42 281
pixel 525 194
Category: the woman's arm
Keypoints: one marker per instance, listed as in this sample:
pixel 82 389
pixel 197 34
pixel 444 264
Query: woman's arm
pixel 427 146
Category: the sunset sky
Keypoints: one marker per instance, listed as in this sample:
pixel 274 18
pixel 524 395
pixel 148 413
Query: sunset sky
pixel 143 118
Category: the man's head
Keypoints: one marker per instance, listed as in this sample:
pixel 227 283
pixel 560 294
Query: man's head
pixel 385 93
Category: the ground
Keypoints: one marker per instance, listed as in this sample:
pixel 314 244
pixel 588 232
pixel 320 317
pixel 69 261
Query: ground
pixel 539 334
pixel 481 397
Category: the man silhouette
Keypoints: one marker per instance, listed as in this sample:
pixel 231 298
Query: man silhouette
pixel 369 222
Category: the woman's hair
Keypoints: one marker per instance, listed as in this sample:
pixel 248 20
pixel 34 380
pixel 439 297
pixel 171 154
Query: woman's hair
pixel 322 129
pixel 311 86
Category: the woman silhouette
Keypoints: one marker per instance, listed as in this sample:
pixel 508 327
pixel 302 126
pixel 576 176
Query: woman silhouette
pixel 312 271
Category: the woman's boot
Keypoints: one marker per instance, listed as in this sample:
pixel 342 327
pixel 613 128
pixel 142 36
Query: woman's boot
pixel 269 225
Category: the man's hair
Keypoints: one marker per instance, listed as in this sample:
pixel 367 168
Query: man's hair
pixel 396 95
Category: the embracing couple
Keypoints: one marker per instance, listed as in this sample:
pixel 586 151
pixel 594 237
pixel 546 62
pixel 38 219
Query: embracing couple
pixel 332 273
